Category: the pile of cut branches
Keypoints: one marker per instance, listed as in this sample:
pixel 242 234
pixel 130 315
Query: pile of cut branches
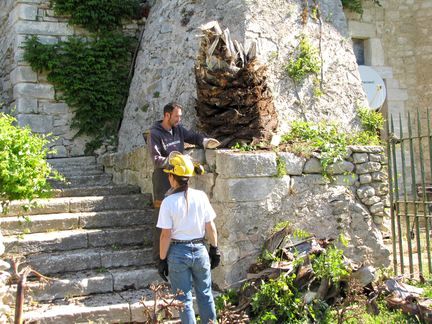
pixel 301 277
pixel 234 103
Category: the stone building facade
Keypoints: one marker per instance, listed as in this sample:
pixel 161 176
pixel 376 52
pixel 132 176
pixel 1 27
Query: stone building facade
pixel 397 43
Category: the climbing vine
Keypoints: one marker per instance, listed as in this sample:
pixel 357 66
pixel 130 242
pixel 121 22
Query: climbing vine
pixel 96 15
pixel 90 74
pixel 356 5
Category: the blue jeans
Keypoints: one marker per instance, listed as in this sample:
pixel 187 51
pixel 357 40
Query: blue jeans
pixel 190 264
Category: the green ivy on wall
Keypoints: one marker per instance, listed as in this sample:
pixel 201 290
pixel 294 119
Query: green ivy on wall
pixel 90 74
pixel 96 15
pixel 356 5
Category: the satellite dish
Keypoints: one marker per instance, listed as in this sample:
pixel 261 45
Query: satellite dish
pixel 373 86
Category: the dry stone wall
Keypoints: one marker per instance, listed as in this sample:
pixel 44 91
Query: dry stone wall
pixel 250 199
pixel 164 69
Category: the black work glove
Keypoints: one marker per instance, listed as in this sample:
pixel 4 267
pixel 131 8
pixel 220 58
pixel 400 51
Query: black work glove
pixel 163 269
pixel 214 256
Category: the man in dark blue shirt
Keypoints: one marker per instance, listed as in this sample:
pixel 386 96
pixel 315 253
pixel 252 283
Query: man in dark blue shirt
pixel 166 136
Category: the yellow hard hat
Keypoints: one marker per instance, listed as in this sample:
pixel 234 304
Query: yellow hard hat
pixel 180 165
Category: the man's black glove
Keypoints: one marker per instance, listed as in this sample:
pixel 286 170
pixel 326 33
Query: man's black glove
pixel 214 256
pixel 163 269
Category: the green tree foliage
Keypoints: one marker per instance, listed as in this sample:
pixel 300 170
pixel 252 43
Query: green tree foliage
pixel 96 15
pixel 24 169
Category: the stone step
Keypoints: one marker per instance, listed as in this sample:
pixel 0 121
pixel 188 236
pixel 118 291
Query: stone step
pixel 90 259
pixel 107 190
pixel 75 239
pixel 72 161
pixel 81 173
pixel 123 307
pixel 81 204
pixel 69 221
pixel 84 180
pixel 78 168
pixel 90 282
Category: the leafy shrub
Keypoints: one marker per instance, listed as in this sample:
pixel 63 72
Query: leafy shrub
pixel 305 61
pixel 23 167
pixel 277 301
pixel 322 137
pixel 329 141
pixel 96 15
pixel 330 264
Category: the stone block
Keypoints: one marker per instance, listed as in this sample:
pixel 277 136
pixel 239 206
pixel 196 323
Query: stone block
pixel 203 182
pixel 23 12
pixel 37 123
pixel 371 201
pixel 26 105
pixel 365 192
pixel 361 30
pixel 375 157
pixel 60 151
pixel 313 166
pixel 374 52
pixel 385 72
pixel 360 157
pixel 345 180
pixel 210 159
pixel 368 167
pixel 23 74
pixel 294 164
pixel 397 94
pixel 44 28
pixel 33 90
pixel 251 189
pixel 365 178
pixel 340 167
pixel 54 108
pixel 231 164
pixel 376 208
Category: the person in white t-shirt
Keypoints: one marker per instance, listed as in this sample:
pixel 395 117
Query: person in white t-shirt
pixel 185 218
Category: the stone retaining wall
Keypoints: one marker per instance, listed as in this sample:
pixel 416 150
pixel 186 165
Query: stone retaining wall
pixel 250 198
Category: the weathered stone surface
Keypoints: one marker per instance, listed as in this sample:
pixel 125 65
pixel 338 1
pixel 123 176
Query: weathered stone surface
pixel 375 157
pixel 174 43
pixel 368 167
pixel 360 157
pixel 366 149
pixel 37 123
pixel 365 178
pixel 294 163
pixel 33 90
pixel 371 201
pixel 231 164
pixel 312 165
pixel 345 180
pixel 340 167
pixel 365 192
pixel 378 207
pixel 250 189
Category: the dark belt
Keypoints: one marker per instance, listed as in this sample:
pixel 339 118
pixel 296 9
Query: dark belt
pixel 194 241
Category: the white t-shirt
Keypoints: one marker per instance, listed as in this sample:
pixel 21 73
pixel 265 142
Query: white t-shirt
pixel 186 223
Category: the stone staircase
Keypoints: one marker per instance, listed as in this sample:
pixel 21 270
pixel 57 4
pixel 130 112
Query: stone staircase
pixel 94 239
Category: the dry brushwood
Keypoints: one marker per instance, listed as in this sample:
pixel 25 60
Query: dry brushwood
pixel 234 103
pixel 231 314
pixel 163 306
pixel 19 277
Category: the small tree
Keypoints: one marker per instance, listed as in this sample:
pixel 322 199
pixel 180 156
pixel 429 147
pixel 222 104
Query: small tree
pixel 24 170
